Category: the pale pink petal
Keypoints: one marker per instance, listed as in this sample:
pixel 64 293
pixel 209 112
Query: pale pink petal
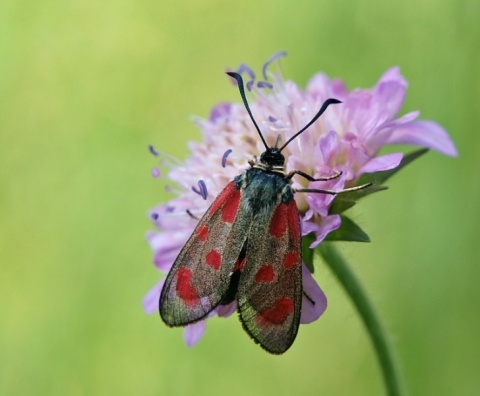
pixel 329 146
pixel 225 311
pixel 377 140
pixel 320 87
pixel 220 111
pixel 166 247
pixel 164 259
pixel 424 133
pixel 390 92
pixel 192 333
pixel 383 163
pixel 311 311
pixel 150 301
pixel 320 231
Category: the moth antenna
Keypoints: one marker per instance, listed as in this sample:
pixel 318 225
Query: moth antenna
pixel 325 104
pixel 277 142
pixel 239 79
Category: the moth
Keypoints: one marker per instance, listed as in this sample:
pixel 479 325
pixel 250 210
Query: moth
pixel 247 248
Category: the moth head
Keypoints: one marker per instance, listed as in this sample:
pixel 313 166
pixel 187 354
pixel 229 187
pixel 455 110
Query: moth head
pixel 272 157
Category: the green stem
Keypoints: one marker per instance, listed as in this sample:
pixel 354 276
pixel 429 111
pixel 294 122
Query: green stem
pixel 369 316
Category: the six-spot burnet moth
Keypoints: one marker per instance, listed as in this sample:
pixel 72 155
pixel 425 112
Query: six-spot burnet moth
pixel 247 248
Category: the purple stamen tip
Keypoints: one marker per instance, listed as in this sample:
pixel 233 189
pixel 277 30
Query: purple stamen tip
pixel 245 69
pixel 153 151
pixel 225 156
pixel 250 84
pixel 272 59
pixel 156 172
pixel 264 84
pixel 154 216
pixel 202 189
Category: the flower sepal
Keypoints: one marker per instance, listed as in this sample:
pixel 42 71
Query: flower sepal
pixel 378 178
pixel 349 231
pixel 345 201
pixel 307 252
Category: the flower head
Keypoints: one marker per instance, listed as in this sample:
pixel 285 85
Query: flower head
pixel 347 139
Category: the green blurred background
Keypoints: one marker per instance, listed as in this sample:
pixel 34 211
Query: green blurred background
pixel 87 85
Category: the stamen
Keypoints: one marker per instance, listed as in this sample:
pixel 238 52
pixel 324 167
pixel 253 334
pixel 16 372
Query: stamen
pixel 154 216
pixel 202 189
pixel 189 212
pixel 272 59
pixel 245 69
pixel 156 172
pixel 264 84
pixel 224 158
pixel 153 151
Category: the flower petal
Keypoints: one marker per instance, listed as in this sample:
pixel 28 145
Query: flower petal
pixel 225 311
pixel 150 301
pixel 328 224
pixel 166 247
pixel 311 312
pixel 385 162
pixel 329 146
pixel 220 111
pixel 424 133
pixel 320 87
pixel 192 333
pixel 390 92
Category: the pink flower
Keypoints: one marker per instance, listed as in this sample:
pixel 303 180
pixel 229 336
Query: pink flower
pixel 346 138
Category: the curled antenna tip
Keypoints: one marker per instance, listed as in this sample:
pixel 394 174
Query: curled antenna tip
pixel 241 89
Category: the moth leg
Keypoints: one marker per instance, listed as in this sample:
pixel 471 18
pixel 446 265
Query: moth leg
pixel 332 192
pixel 310 178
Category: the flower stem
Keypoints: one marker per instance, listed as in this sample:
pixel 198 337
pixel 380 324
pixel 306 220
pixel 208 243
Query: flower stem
pixel 369 316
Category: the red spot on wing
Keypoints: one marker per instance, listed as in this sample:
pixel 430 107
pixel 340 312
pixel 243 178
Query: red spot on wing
pixel 277 314
pixel 278 224
pixel 220 201
pixel 202 233
pixel 293 219
pixel 291 259
pixel 229 211
pixel 214 259
pixel 265 273
pixel 185 290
